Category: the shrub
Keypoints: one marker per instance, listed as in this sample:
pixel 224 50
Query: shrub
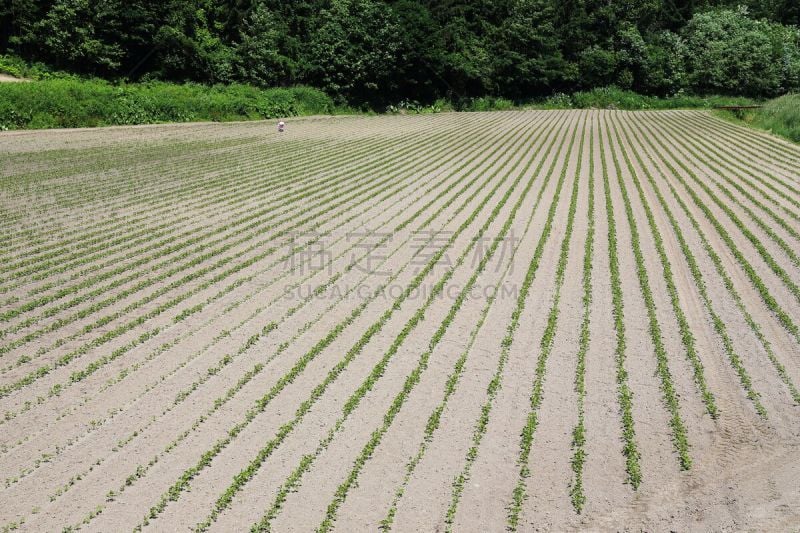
pixel 780 116
pixel 76 103
pixel 487 103
pixel 7 66
pixel 616 98
pixel 597 66
pixel 665 72
pixel 730 53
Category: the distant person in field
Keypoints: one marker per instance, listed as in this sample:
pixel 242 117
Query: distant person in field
pixel 281 126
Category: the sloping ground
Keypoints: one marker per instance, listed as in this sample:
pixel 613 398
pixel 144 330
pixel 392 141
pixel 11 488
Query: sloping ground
pixel 11 79
pixel 467 322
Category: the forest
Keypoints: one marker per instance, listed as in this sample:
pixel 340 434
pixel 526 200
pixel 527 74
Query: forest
pixel 377 52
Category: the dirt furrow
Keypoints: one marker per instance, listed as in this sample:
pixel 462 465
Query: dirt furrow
pixel 525 320
pixel 221 347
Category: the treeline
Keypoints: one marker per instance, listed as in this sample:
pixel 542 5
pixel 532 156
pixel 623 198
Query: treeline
pixel 377 52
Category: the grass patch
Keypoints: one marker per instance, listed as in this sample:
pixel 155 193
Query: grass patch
pixel 615 98
pixel 59 100
pixel 72 103
pixel 599 98
pixel 780 116
pixel 624 393
pixel 577 495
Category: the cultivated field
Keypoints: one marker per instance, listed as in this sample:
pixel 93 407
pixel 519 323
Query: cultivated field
pixel 466 322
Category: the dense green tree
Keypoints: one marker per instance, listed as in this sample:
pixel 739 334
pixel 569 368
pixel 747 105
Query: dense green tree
pixel 71 35
pixel 665 71
pixel 259 56
pixel 526 53
pixel 789 12
pixel 728 52
pixel 354 50
pixel 374 52
pixel 418 70
pixel 468 31
pixel 16 20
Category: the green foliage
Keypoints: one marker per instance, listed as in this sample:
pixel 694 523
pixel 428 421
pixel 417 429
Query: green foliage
pixel 780 116
pixel 665 70
pixel 72 35
pixel 419 57
pixel 353 51
pixel 10 67
pixel 487 103
pixel 615 98
pixel 730 53
pixel 370 53
pixel 259 57
pixel 15 66
pixel 78 103
pixel 527 56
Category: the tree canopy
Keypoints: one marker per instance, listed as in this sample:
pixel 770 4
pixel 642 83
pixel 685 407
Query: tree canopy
pixel 375 52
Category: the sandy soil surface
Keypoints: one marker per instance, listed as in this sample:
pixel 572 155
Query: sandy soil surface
pixel 5 78
pixel 173 356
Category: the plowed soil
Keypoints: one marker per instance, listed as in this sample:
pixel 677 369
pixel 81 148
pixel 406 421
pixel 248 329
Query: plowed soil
pixel 523 320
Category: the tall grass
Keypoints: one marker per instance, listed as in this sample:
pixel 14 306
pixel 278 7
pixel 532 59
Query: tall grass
pixel 71 103
pixel 615 98
pixel 599 98
pixel 780 116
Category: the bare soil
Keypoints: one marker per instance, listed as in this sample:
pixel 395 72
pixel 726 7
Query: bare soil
pixel 218 407
pixel 5 78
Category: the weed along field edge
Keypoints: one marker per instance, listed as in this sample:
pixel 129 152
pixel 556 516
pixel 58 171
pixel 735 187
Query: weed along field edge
pixel 451 322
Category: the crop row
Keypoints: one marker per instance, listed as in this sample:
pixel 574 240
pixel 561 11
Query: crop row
pixel 228 359
pixel 132 173
pixel 389 195
pixel 728 283
pixel 671 401
pixel 188 180
pixel 766 147
pixel 218 173
pixel 317 392
pixel 299 191
pixel 718 324
pixel 196 274
pixel 411 380
pixel 546 342
pixel 630 448
pixel 764 226
pixel 493 388
pixel 459 210
pixel 221 193
pixel 744 170
pixel 769 300
pixel 577 493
